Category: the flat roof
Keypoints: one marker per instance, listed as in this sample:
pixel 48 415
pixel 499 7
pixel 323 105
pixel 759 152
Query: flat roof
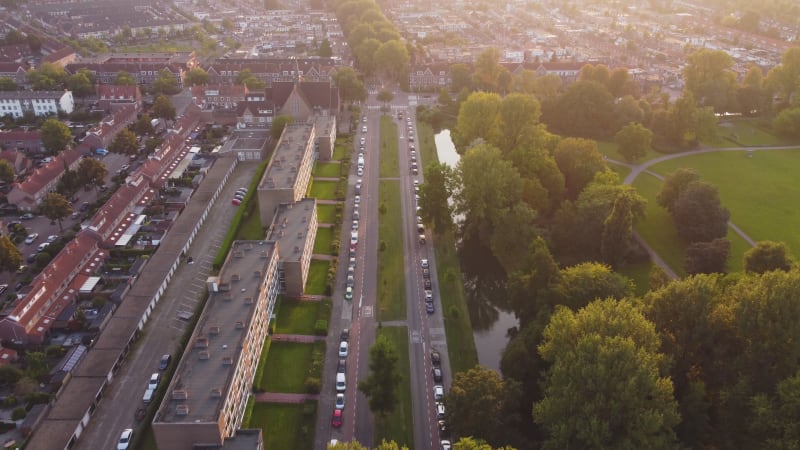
pixel 291 228
pixel 206 369
pixel 324 124
pixel 282 170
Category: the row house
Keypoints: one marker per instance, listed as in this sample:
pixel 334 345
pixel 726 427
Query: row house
pixel 112 97
pixel 28 141
pixel 17 160
pixel 61 57
pixel 40 103
pixel 225 71
pixel 145 73
pixel 51 292
pixel 430 78
pixel 28 194
pixel 15 71
pixel 226 96
pixel 568 71
pixel 15 52
pixel 101 135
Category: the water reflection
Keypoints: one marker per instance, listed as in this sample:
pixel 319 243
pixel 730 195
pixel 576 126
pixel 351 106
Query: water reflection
pixel 484 283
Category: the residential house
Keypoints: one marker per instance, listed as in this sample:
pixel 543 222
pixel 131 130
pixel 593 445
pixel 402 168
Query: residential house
pixel 61 57
pixel 226 70
pixel 40 103
pixel 216 96
pixel 429 78
pixel 111 97
pixel 255 114
pixel 28 194
pixel 568 71
pixel 101 135
pixel 28 141
pixel 16 71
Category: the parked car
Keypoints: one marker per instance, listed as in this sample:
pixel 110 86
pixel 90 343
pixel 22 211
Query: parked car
pixel 336 420
pixel 165 360
pixel 27 216
pixel 437 374
pixel 339 401
pixel 436 359
pixel 429 307
pixel 343 347
pixel 52 238
pixel 236 202
pixel 153 383
pixel 125 439
pixel 341 382
pixel 3 288
pixel 31 237
pixel 348 293
pixel 345 335
pixel 342 367
pixel 42 246
pixel 438 392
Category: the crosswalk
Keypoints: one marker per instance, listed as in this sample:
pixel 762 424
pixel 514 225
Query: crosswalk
pixel 393 107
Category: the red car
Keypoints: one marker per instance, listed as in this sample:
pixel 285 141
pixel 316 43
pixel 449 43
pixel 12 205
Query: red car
pixel 336 420
pixel 236 201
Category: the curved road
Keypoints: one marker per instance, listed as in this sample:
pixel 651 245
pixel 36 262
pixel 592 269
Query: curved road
pixel 638 169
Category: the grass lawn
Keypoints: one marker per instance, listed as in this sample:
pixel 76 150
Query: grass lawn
pixel 286 426
pixel 623 171
pixel 458 329
pixel 250 228
pixel 298 316
pixel 391 273
pixel 317 277
pixel 390 166
pixel 659 231
pixel 761 192
pixel 611 149
pixel 744 133
pixel 326 213
pixel 398 425
pixel 322 244
pixel 327 170
pixel 341 152
pixel 287 367
pixel 323 190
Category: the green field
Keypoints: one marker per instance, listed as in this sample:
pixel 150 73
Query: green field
pixel 286 426
pixel 391 273
pixel 398 426
pixel 298 316
pixel 322 244
pixel 287 367
pixel 390 166
pixel 761 191
pixel 744 133
pixel 327 170
pixel 326 213
pixel 250 227
pixel 317 277
pixel 323 190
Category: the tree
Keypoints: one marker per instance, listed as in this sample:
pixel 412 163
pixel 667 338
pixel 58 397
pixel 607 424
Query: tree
pixel 787 123
pixel 487 184
pixel 711 81
pixel 124 79
pixel 325 50
pixel 10 256
pixel 708 257
pixel 384 96
pixel 56 207
pixel 163 108
pixel 767 256
pixel 475 119
pixel 351 88
pixel 6 171
pixel 392 58
pixel 365 55
pixel 143 126
pixel 512 226
pixel 80 84
pixel 579 285
pixel 634 141
pixel 517 123
pixel 9 375
pixel 47 77
pixel 460 76
pixel 8 84
pixel 579 160
pixel 582 111
pixel 470 443
pixel 278 124
pixel 165 83
pixel 487 70
pixel 673 186
pixel 785 78
pixel 55 136
pixel 477 389
pixel 197 76
pixel 605 387
pixel 91 171
pixel 380 386
pixel 615 241
pixel 434 196
pixel 698 214
pixel 124 142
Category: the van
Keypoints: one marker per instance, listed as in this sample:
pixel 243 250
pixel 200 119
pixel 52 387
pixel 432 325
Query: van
pixel 360 162
pixel 341 384
pixel 148 396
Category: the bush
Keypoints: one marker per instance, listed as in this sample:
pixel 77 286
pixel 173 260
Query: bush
pixel 321 327
pixel 313 385
pixel 382 246
pixel 18 414
pixel 248 411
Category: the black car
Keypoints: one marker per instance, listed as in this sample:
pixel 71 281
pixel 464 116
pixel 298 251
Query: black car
pixel 164 363
pixel 342 367
pixel 426 273
pixel 436 359
pixel 428 283
pixel 345 335
pixel 437 374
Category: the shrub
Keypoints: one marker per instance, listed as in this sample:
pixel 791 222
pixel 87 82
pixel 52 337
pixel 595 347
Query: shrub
pixel 18 414
pixel 313 385
pixel 321 327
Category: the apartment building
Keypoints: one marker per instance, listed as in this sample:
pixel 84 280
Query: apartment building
pixel 294 229
pixel 326 137
pixel 205 402
pixel 40 103
pixel 289 172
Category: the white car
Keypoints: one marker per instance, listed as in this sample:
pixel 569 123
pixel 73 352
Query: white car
pixel 153 381
pixel 438 392
pixel 125 439
pixel 42 246
pixel 52 238
pixel 364 129
pixel 343 346
pixel 360 172
pixel 339 401
pixel 358 199
pixel 424 263
pixel 355 225
pixel 31 237
pixel 363 141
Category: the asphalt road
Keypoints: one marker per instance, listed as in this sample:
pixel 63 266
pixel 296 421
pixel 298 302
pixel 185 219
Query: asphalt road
pixel 426 332
pixel 163 331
